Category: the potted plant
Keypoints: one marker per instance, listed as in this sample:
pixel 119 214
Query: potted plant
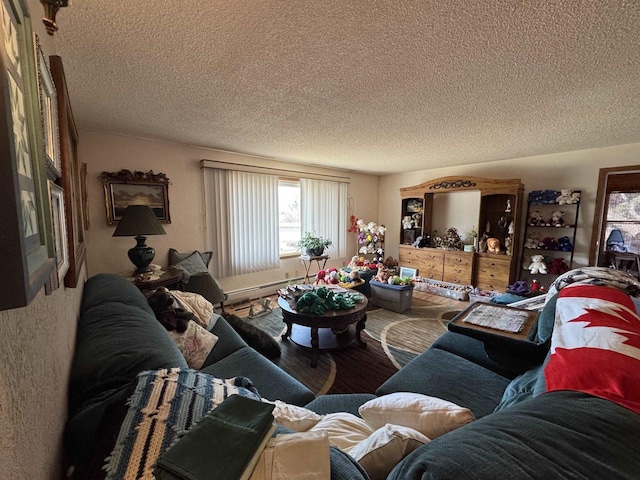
pixel 312 244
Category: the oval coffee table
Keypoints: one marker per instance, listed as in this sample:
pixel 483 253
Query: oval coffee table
pixel 317 331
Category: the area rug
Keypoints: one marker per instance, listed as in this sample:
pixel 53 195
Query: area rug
pixel 393 339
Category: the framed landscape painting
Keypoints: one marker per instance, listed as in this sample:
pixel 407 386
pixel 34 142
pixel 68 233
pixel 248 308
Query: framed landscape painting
pixel 125 188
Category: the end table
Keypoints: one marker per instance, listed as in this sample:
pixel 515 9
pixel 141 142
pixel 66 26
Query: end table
pixel 161 278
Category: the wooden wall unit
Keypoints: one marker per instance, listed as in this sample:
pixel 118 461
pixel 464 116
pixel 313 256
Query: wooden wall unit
pixel 487 271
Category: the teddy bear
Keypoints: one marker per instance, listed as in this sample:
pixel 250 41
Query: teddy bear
pixel 556 218
pixel 549 196
pixel 532 241
pixel 558 266
pixel 564 244
pixel 535 197
pixel 171 318
pixel 535 219
pixel 550 243
pixel 537 265
pixel 567 196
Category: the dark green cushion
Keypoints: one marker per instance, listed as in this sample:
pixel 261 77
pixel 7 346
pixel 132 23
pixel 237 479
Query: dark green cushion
pixel 546 320
pixel 107 288
pixel 272 382
pixel 344 402
pixel 115 342
pixel 559 435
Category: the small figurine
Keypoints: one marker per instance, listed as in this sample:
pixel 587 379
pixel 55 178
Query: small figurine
pixel 508 209
pixel 493 245
pixel 535 285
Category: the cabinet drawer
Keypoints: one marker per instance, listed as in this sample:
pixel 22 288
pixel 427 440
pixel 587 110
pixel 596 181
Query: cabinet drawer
pixel 428 262
pixel 457 274
pixel 458 260
pixel 492 273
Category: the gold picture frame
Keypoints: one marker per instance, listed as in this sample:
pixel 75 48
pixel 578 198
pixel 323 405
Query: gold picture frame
pixel 48 113
pixel 128 187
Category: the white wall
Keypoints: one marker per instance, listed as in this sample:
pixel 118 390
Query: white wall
pixel 181 163
pixel 577 170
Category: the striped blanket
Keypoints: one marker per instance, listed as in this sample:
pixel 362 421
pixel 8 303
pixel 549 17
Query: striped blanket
pixel 164 406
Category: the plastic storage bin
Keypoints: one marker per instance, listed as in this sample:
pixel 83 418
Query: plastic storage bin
pixel 396 298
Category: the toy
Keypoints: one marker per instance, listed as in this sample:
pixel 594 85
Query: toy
pixel 556 218
pixel 482 244
pixel 537 265
pixel 549 196
pixel 535 219
pixel 493 245
pixel 535 197
pixel 532 241
pixel 550 243
pixel 518 288
pixel 567 196
pixel 407 222
pixel 171 318
pixel 558 266
pixel 564 244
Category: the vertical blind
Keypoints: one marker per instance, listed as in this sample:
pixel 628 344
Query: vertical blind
pixel 324 211
pixel 241 211
pixel 241 222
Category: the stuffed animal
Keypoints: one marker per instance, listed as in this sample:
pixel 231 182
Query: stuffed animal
pixel 493 245
pixel 564 244
pixel 171 318
pixel 556 218
pixel 537 265
pixel 535 197
pixel 535 285
pixel 532 241
pixel 567 196
pixel 332 277
pixel 550 243
pixel 558 266
pixel 549 196
pixel 535 219
pixel 518 288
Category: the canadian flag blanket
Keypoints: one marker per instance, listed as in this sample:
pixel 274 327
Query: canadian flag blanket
pixel 595 346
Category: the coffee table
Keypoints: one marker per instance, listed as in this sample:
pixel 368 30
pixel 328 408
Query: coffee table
pixel 317 331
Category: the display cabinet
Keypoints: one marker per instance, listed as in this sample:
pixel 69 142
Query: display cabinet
pixel 549 234
pixel 497 213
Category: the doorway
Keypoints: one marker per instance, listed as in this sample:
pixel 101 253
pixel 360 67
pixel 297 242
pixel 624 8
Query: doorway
pixel 616 225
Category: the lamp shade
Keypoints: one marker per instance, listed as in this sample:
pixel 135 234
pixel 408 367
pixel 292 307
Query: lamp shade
pixel 138 220
pixel 615 238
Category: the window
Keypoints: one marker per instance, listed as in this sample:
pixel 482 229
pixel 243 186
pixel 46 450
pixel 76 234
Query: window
pixel 623 213
pixel 288 215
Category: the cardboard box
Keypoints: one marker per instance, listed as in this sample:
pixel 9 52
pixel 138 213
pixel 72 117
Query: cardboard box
pixel 396 298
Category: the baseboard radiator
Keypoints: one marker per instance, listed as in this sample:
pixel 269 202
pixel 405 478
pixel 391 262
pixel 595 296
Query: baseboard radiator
pixel 259 291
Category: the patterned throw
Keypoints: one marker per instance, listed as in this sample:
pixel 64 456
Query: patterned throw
pixel 165 404
pixel 595 345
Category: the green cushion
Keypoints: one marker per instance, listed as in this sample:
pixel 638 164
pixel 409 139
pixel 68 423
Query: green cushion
pixel 177 257
pixel 191 265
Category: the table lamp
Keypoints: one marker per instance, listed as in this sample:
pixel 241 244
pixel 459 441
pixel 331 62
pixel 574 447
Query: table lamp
pixel 138 221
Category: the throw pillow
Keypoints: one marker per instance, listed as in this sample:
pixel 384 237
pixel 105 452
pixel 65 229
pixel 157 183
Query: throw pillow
pixel 195 343
pixel 166 403
pixel 191 265
pixel 177 257
pixel 344 430
pixel 385 447
pixel 431 416
pixel 293 417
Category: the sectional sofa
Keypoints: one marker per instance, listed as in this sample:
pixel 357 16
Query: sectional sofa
pixel 584 424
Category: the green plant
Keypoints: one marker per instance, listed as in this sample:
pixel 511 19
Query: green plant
pixel 311 241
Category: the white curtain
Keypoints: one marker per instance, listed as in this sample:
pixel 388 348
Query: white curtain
pixel 324 211
pixel 241 221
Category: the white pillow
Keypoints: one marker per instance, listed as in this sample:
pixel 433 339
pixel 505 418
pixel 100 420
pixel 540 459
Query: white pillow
pixel 344 430
pixel 195 343
pixel 385 447
pixel 431 416
pixel 293 417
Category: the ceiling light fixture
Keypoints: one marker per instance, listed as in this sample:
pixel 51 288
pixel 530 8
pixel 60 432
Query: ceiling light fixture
pixel 51 8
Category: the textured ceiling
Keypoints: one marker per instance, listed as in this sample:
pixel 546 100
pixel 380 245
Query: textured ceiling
pixel 378 87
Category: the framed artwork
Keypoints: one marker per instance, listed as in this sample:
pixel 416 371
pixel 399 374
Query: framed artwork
pixel 125 188
pixel 408 272
pixel 28 255
pixel 48 112
pixel 61 240
pixel 414 205
pixel 70 175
